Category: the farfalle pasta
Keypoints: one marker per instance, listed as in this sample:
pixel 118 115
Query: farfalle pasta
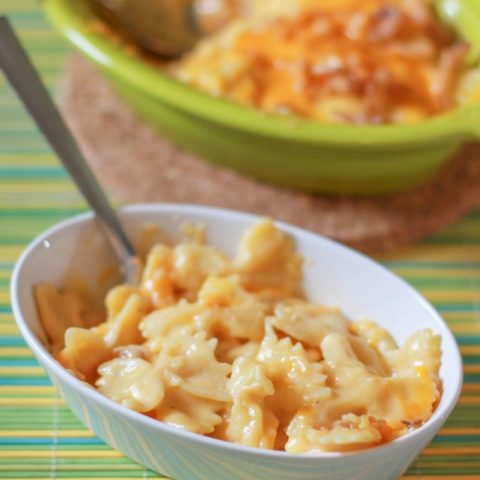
pixel 230 348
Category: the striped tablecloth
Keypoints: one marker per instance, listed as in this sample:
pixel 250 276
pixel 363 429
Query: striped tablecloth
pixel 41 438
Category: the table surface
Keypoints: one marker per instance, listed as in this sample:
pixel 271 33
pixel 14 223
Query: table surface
pixel 41 438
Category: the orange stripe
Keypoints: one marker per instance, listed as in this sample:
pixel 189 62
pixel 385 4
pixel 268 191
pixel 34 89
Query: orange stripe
pixel 469 401
pixel 470 349
pixel 461 451
pixel 471 368
pixel 471 388
pixel 460 431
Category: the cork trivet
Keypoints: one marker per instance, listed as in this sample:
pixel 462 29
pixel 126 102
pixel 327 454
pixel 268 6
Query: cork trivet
pixel 137 165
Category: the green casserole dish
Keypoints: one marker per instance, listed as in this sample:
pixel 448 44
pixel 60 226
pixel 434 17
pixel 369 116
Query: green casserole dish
pixel 300 154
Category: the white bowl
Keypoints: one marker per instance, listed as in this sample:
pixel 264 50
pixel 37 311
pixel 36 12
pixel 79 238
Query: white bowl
pixel 334 275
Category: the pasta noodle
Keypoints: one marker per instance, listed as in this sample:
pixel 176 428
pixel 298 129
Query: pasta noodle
pixel 231 349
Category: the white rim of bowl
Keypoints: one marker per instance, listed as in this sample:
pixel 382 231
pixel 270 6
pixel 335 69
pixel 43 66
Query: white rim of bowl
pixel 440 414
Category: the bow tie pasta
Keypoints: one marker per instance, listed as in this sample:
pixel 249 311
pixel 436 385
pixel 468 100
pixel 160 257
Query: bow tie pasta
pixel 231 349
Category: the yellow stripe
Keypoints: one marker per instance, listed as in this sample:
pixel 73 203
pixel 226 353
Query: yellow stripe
pixel 452 296
pixel 5 297
pixel 15 352
pixel 46 433
pixel 20 371
pixel 27 159
pixel 464 328
pixel 7 252
pixel 45 203
pixel 440 463
pixel 31 401
pixel 421 272
pixel 9 329
pixel 61 454
pixel 21 390
pixel 62 186
pixel 435 253
pixel 471 316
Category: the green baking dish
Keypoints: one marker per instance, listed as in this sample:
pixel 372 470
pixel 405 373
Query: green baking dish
pixel 300 154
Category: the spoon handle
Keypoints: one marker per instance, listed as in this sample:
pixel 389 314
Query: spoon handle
pixel 25 80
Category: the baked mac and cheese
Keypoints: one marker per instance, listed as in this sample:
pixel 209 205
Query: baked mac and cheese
pixel 337 61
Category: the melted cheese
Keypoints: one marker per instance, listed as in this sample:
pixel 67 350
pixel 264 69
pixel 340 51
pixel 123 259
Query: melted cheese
pixel 229 348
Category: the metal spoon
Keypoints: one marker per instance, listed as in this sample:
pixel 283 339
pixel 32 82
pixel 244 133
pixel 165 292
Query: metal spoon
pixel 165 27
pixel 29 87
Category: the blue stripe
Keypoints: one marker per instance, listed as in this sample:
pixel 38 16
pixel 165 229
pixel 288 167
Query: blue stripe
pixel 455 307
pixel 6 341
pixel 471 360
pixel 19 362
pixel 48 172
pixel 25 381
pixel 466 340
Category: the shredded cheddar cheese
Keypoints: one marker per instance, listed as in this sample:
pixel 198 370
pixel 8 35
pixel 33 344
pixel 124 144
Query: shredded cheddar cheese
pixel 342 61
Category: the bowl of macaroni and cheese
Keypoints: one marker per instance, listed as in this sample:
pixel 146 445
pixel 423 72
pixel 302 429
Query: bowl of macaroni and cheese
pixel 248 349
pixel 341 97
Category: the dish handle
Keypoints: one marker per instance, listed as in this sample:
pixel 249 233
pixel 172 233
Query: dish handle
pixel 464 17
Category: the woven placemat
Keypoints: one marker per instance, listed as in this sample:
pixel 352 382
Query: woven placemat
pixel 137 165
